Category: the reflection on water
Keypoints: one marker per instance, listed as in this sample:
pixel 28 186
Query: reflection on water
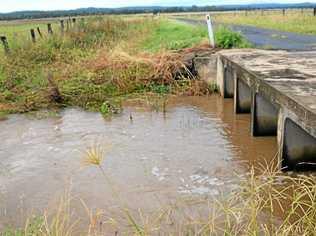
pixel 195 148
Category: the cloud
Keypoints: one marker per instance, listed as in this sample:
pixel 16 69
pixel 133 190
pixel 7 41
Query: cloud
pixel 16 5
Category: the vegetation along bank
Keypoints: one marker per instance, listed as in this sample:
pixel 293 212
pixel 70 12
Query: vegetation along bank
pixel 97 62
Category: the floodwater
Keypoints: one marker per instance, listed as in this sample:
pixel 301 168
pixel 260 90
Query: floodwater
pixel 196 147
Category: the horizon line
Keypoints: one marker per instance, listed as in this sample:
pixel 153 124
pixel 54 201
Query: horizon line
pixel 163 6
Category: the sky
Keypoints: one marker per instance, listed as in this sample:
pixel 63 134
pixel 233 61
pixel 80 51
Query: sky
pixel 17 5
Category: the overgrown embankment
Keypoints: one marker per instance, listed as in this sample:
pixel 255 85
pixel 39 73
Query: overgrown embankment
pixel 100 61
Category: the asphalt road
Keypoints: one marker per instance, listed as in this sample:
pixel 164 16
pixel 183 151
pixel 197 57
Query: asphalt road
pixel 271 39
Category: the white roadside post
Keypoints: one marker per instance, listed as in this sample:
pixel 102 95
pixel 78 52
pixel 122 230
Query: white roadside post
pixel 210 30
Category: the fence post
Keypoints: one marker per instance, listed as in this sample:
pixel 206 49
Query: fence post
pixel 49 28
pixel 5 44
pixel 14 36
pixel 39 32
pixel 210 31
pixel 67 24
pixel 81 25
pixel 283 12
pixel 314 11
pixel 33 35
pixel 62 26
pixel 74 20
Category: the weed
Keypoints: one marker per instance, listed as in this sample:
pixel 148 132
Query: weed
pixel 94 155
pixel 108 108
pixel 3 116
pixel 57 224
pixel 32 227
pixel 213 87
pixel 226 38
pixel 159 88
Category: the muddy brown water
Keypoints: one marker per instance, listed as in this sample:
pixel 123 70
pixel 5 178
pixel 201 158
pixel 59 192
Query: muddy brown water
pixel 195 148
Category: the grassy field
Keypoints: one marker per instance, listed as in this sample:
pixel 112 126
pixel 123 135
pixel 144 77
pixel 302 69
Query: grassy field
pixel 19 31
pixel 98 61
pixel 293 21
pixel 174 36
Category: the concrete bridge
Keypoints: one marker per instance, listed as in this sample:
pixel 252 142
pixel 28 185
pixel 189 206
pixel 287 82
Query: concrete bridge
pixel 278 89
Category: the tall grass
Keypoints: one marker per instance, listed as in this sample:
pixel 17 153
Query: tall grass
pixel 293 21
pixel 226 38
pixel 296 20
pixel 60 223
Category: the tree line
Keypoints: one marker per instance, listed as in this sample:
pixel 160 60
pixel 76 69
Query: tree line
pixel 137 10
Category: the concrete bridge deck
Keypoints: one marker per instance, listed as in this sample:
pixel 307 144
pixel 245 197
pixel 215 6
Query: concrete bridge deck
pixel 278 88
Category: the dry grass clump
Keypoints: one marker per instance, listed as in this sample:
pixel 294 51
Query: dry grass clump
pixel 146 72
pixel 94 155
pixel 162 68
pixel 168 67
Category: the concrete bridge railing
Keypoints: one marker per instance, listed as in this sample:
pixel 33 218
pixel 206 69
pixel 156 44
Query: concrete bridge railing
pixel 279 91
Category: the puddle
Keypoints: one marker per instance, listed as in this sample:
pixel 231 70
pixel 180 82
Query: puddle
pixel 195 148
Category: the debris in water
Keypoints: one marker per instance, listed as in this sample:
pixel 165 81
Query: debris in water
pixel 156 172
pixel 199 191
pixel 205 180
pixel 143 158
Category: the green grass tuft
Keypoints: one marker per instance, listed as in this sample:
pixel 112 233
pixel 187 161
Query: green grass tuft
pixel 226 38
pixel 172 35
